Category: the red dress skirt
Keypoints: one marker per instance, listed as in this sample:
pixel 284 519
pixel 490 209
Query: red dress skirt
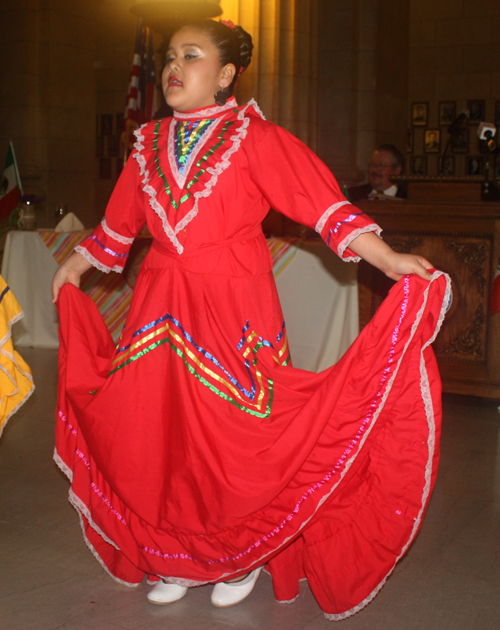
pixel 197 452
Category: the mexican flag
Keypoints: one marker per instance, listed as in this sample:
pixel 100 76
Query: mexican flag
pixel 10 185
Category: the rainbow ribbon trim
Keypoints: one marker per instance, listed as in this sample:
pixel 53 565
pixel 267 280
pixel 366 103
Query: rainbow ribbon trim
pixel 255 399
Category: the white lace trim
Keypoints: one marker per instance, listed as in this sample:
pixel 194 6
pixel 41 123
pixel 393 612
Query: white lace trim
pixel 179 177
pixel 66 470
pixel 98 557
pixel 215 171
pixel 82 510
pixel 288 601
pixel 93 261
pixel 208 112
pixel 328 213
pixel 354 234
pixel 80 507
pixel 431 440
pixel 114 235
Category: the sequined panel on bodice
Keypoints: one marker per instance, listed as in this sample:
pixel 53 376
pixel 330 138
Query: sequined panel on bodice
pixel 187 137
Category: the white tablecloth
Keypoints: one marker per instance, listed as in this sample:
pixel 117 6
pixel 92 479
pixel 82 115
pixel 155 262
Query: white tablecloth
pixel 318 294
pixel 319 297
pixel 28 268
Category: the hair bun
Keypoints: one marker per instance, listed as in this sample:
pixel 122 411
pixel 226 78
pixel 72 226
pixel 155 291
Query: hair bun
pixel 245 45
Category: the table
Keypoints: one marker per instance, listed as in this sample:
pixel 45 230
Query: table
pixel 28 268
pixel 319 297
pixel 318 294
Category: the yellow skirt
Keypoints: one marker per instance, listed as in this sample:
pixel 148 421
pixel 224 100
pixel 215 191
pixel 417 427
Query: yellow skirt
pixel 16 382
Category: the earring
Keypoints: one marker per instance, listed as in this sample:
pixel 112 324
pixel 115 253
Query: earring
pixel 221 96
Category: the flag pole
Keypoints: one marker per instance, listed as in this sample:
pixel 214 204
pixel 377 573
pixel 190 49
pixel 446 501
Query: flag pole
pixel 18 177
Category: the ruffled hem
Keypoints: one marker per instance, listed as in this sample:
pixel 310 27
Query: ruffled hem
pixel 301 510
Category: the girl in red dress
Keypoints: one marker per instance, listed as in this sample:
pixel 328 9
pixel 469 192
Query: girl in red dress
pixel 196 452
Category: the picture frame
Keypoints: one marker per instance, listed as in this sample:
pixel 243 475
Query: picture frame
pixel 113 146
pixel 460 141
pixel 409 141
pixel 419 114
pixel 477 110
pixel 99 146
pixel 447 112
pixel 496 171
pixel 432 140
pixel 474 165
pixel 497 113
pixel 105 168
pixel 119 120
pixel 106 124
pixel 447 165
pixel 419 165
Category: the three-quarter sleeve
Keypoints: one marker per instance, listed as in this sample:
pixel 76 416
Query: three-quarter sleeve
pixel 107 248
pixel 298 184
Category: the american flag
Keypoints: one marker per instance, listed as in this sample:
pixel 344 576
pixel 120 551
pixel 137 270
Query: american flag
pixel 141 101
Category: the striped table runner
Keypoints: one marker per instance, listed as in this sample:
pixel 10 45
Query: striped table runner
pixel 109 291
pixel 282 251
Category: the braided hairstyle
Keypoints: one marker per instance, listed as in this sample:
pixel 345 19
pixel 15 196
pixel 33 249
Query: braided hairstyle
pixel 234 44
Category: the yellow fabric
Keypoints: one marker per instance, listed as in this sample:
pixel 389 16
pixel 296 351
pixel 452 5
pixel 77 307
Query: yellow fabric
pixel 16 382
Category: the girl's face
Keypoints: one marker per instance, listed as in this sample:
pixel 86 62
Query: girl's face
pixel 193 73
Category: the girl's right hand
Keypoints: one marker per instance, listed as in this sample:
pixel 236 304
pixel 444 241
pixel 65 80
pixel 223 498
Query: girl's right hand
pixel 70 271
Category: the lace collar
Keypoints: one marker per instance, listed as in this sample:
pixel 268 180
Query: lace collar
pixel 206 112
pixel 176 203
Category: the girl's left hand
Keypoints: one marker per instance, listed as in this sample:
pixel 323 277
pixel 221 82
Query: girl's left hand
pixel 399 265
pixel 373 249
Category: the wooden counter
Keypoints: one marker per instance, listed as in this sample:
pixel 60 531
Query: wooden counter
pixel 462 239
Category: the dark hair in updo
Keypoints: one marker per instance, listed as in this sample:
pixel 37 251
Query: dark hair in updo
pixel 234 46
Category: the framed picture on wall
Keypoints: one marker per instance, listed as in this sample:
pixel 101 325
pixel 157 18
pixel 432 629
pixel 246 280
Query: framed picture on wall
pixel 460 141
pixel 409 140
pixel 118 123
pixel 497 113
pixel 477 110
pixel 419 165
pixel 447 166
pixel 113 146
pixel 432 140
pixel 497 169
pixel 474 165
pixel 99 146
pixel 106 124
pixel 419 114
pixel 447 112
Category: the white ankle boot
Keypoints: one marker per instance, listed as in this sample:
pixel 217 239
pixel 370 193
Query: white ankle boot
pixel 163 593
pixel 227 594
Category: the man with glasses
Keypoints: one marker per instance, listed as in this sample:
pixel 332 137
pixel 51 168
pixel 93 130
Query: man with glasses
pixel 387 162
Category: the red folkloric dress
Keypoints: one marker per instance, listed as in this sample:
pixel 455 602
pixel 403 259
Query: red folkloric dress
pixel 195 450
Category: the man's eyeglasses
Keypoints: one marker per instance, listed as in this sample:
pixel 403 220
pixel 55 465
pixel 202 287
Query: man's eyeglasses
pixel 380 165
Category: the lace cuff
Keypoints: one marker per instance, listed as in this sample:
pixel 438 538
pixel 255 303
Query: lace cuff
pixel 104 250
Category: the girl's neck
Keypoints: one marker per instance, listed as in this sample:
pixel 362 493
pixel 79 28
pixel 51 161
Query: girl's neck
pixel 206 112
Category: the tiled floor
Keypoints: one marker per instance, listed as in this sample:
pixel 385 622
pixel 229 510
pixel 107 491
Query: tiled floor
pixel 449 580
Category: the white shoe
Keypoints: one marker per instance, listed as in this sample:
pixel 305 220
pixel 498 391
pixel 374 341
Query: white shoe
pixel 227 594
pixel 163 593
